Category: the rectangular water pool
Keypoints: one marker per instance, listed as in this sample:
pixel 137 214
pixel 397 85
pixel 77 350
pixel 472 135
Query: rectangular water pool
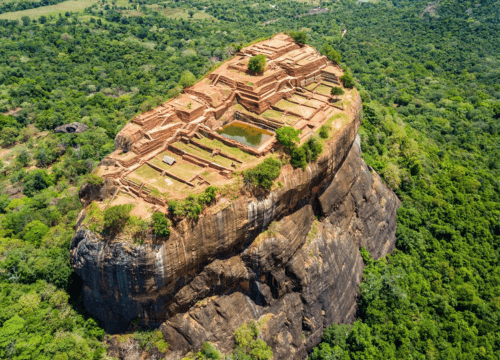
pixel 245 134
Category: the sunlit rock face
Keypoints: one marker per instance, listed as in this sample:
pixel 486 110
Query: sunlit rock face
pixel 290 257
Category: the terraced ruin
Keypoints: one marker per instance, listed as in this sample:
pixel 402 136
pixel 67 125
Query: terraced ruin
pixel 223 123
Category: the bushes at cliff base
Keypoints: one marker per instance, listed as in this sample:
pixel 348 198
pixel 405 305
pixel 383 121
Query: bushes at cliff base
pixel 38 323
pixel 150 340
pixel 35 231
pixel 248 345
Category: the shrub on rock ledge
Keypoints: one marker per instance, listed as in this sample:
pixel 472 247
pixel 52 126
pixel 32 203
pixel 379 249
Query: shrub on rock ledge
pixel 323 132
pixel 263 174
pixel 288 137
pixel 257 64
pixel 161 224
pixel 115 217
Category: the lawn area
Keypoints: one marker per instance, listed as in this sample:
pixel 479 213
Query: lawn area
pixel 71 6
pixel 11 1
pixel 233 151
pixel 195 150
pixel 273 114
pixel 146 172
pixel 211 176
pixel 185 170
pixel 336 122
pixel 311 86
pixel 157 160
pixel 287 105
pixel 171 188
pixel 324 90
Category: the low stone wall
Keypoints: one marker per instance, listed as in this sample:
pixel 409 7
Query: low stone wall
pixel 168 173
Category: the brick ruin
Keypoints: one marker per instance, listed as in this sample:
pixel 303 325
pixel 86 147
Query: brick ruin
pixel 294 90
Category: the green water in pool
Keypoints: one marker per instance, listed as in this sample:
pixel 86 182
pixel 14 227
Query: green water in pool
pixel 245 134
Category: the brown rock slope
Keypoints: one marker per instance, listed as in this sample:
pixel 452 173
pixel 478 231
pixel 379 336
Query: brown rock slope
pixel 263 258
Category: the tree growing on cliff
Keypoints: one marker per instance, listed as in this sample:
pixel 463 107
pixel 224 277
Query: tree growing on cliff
pixel 324 132
pixel 288 137
pixel 248 345
pixel 299 158
pixel 161 225
pixel 263 174
pixel 115 217
pixel 335 56
pixel 257 64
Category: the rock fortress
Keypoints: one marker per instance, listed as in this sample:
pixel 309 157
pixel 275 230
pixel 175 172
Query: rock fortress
pixel 288 257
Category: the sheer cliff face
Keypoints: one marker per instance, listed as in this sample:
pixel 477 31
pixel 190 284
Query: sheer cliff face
pixel 213 275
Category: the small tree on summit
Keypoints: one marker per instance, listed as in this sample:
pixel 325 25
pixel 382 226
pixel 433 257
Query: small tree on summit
pixel 288 137
pixel 336 91
pixel 257 64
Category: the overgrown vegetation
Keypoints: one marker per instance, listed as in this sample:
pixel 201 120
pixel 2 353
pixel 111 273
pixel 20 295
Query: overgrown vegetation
pixel 192 206
pixel 161 224
pixel 116 216
pixel 257 64
pixel 288 137
pixel 336 91
pixel 149 340
pixel 248 346
pixel 324 132
pixel 347 80
pixel 432 104
pixel 300 156
pixel 264 174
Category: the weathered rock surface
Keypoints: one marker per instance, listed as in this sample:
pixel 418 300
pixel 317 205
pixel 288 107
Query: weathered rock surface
pixel 300 279
pixel 75 127
pixel 223 270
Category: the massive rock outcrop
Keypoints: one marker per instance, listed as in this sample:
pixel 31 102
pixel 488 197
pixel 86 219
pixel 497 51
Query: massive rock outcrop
pixel 291 257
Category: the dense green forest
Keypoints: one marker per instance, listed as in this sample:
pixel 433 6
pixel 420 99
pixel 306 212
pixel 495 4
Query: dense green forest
pixel 429 75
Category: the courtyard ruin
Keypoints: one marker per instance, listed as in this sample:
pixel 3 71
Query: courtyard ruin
pixel 222 124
